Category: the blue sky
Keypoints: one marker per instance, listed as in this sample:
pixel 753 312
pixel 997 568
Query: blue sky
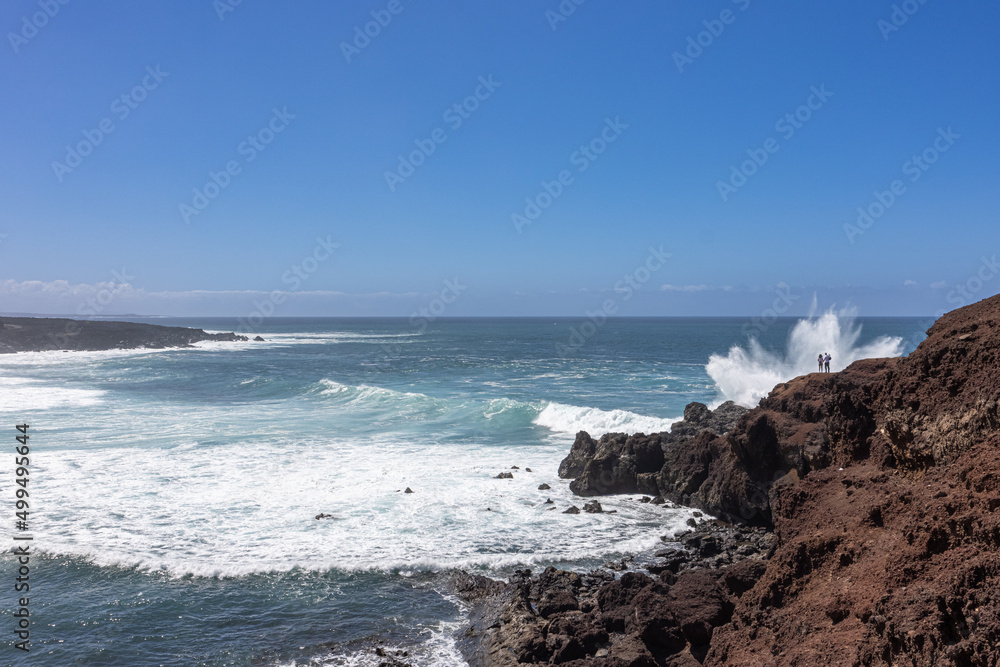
pixel 642 138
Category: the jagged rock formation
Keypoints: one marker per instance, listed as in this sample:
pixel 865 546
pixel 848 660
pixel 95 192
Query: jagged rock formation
pixel 881 485
pixel 565 618
pixel 619 463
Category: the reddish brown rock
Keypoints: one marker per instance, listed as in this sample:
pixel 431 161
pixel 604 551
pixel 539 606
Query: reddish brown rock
pixel 881 484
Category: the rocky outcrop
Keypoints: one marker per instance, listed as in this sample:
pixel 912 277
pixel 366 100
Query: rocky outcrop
pixel 907 413
pixel 880 485
pixel 664 617
pixel 619 463
pixel 37 334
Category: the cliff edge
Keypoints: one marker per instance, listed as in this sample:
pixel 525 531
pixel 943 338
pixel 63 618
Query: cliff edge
pixel 880 487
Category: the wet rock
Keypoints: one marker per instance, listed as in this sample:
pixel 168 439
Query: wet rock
pixel 408 490
pixel 860 524
pixel 258 339
pixel 572 510
pixel 544 487
pixel 593 507
pixel 505 475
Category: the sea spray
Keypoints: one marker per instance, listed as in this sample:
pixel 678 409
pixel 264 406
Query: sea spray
pixel 746 375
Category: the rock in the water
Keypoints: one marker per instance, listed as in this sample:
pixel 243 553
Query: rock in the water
pixel 258 339
pixel 408 490
pixel 544 487
pixel 325 516
pixel 514 468
pixel 572 510
pixel 527 470
pixel 505 475
pixel 593 507
pixel 548 501
pixel 649 464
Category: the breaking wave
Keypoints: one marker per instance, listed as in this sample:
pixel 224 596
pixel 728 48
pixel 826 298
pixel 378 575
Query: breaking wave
pixel 746 375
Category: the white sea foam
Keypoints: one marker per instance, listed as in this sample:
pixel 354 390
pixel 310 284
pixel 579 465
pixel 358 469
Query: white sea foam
pixel 438 649
pixel 22 394
pixel 748 375
pixel 249 506
pixel 570 419
pixel 329 338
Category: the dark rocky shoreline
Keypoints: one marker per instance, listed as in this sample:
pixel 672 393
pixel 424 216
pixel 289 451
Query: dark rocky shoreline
pixel 660 612
pixel 39 334
pixel 863 528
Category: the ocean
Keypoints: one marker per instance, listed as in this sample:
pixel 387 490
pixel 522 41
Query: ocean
pixel 174 493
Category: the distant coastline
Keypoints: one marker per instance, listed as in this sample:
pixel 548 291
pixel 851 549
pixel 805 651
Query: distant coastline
pixel 40 334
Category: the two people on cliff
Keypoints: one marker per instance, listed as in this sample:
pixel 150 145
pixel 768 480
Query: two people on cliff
pixel 824 362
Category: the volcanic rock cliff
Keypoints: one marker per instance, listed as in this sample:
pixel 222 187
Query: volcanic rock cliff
pixel 880 485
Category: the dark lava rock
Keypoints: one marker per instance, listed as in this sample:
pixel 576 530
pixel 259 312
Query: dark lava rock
pixel 258 339
pixel 505 475
pixel 408 490
pixel 867 531
pixel 593 507
pixel 572 510
pixel 666 465
pixel 544 487
pixel 35 334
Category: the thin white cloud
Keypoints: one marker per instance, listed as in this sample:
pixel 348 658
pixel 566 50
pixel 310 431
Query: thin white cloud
pixel 939 284
pixel 102 298
pixel 909 283
pixel 686 288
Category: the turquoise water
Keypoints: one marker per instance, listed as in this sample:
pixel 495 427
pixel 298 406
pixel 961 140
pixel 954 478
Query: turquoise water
pixel 174 492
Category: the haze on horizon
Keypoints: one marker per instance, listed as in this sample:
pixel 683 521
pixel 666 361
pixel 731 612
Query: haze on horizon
pixel 209 157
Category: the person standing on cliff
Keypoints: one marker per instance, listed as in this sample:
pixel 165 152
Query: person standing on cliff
pixel 826 362
pixel 820 360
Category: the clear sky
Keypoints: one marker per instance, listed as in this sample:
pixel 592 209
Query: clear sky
pixel 507 158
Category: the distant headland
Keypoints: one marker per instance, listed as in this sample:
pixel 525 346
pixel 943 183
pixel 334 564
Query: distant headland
pixel 39 334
